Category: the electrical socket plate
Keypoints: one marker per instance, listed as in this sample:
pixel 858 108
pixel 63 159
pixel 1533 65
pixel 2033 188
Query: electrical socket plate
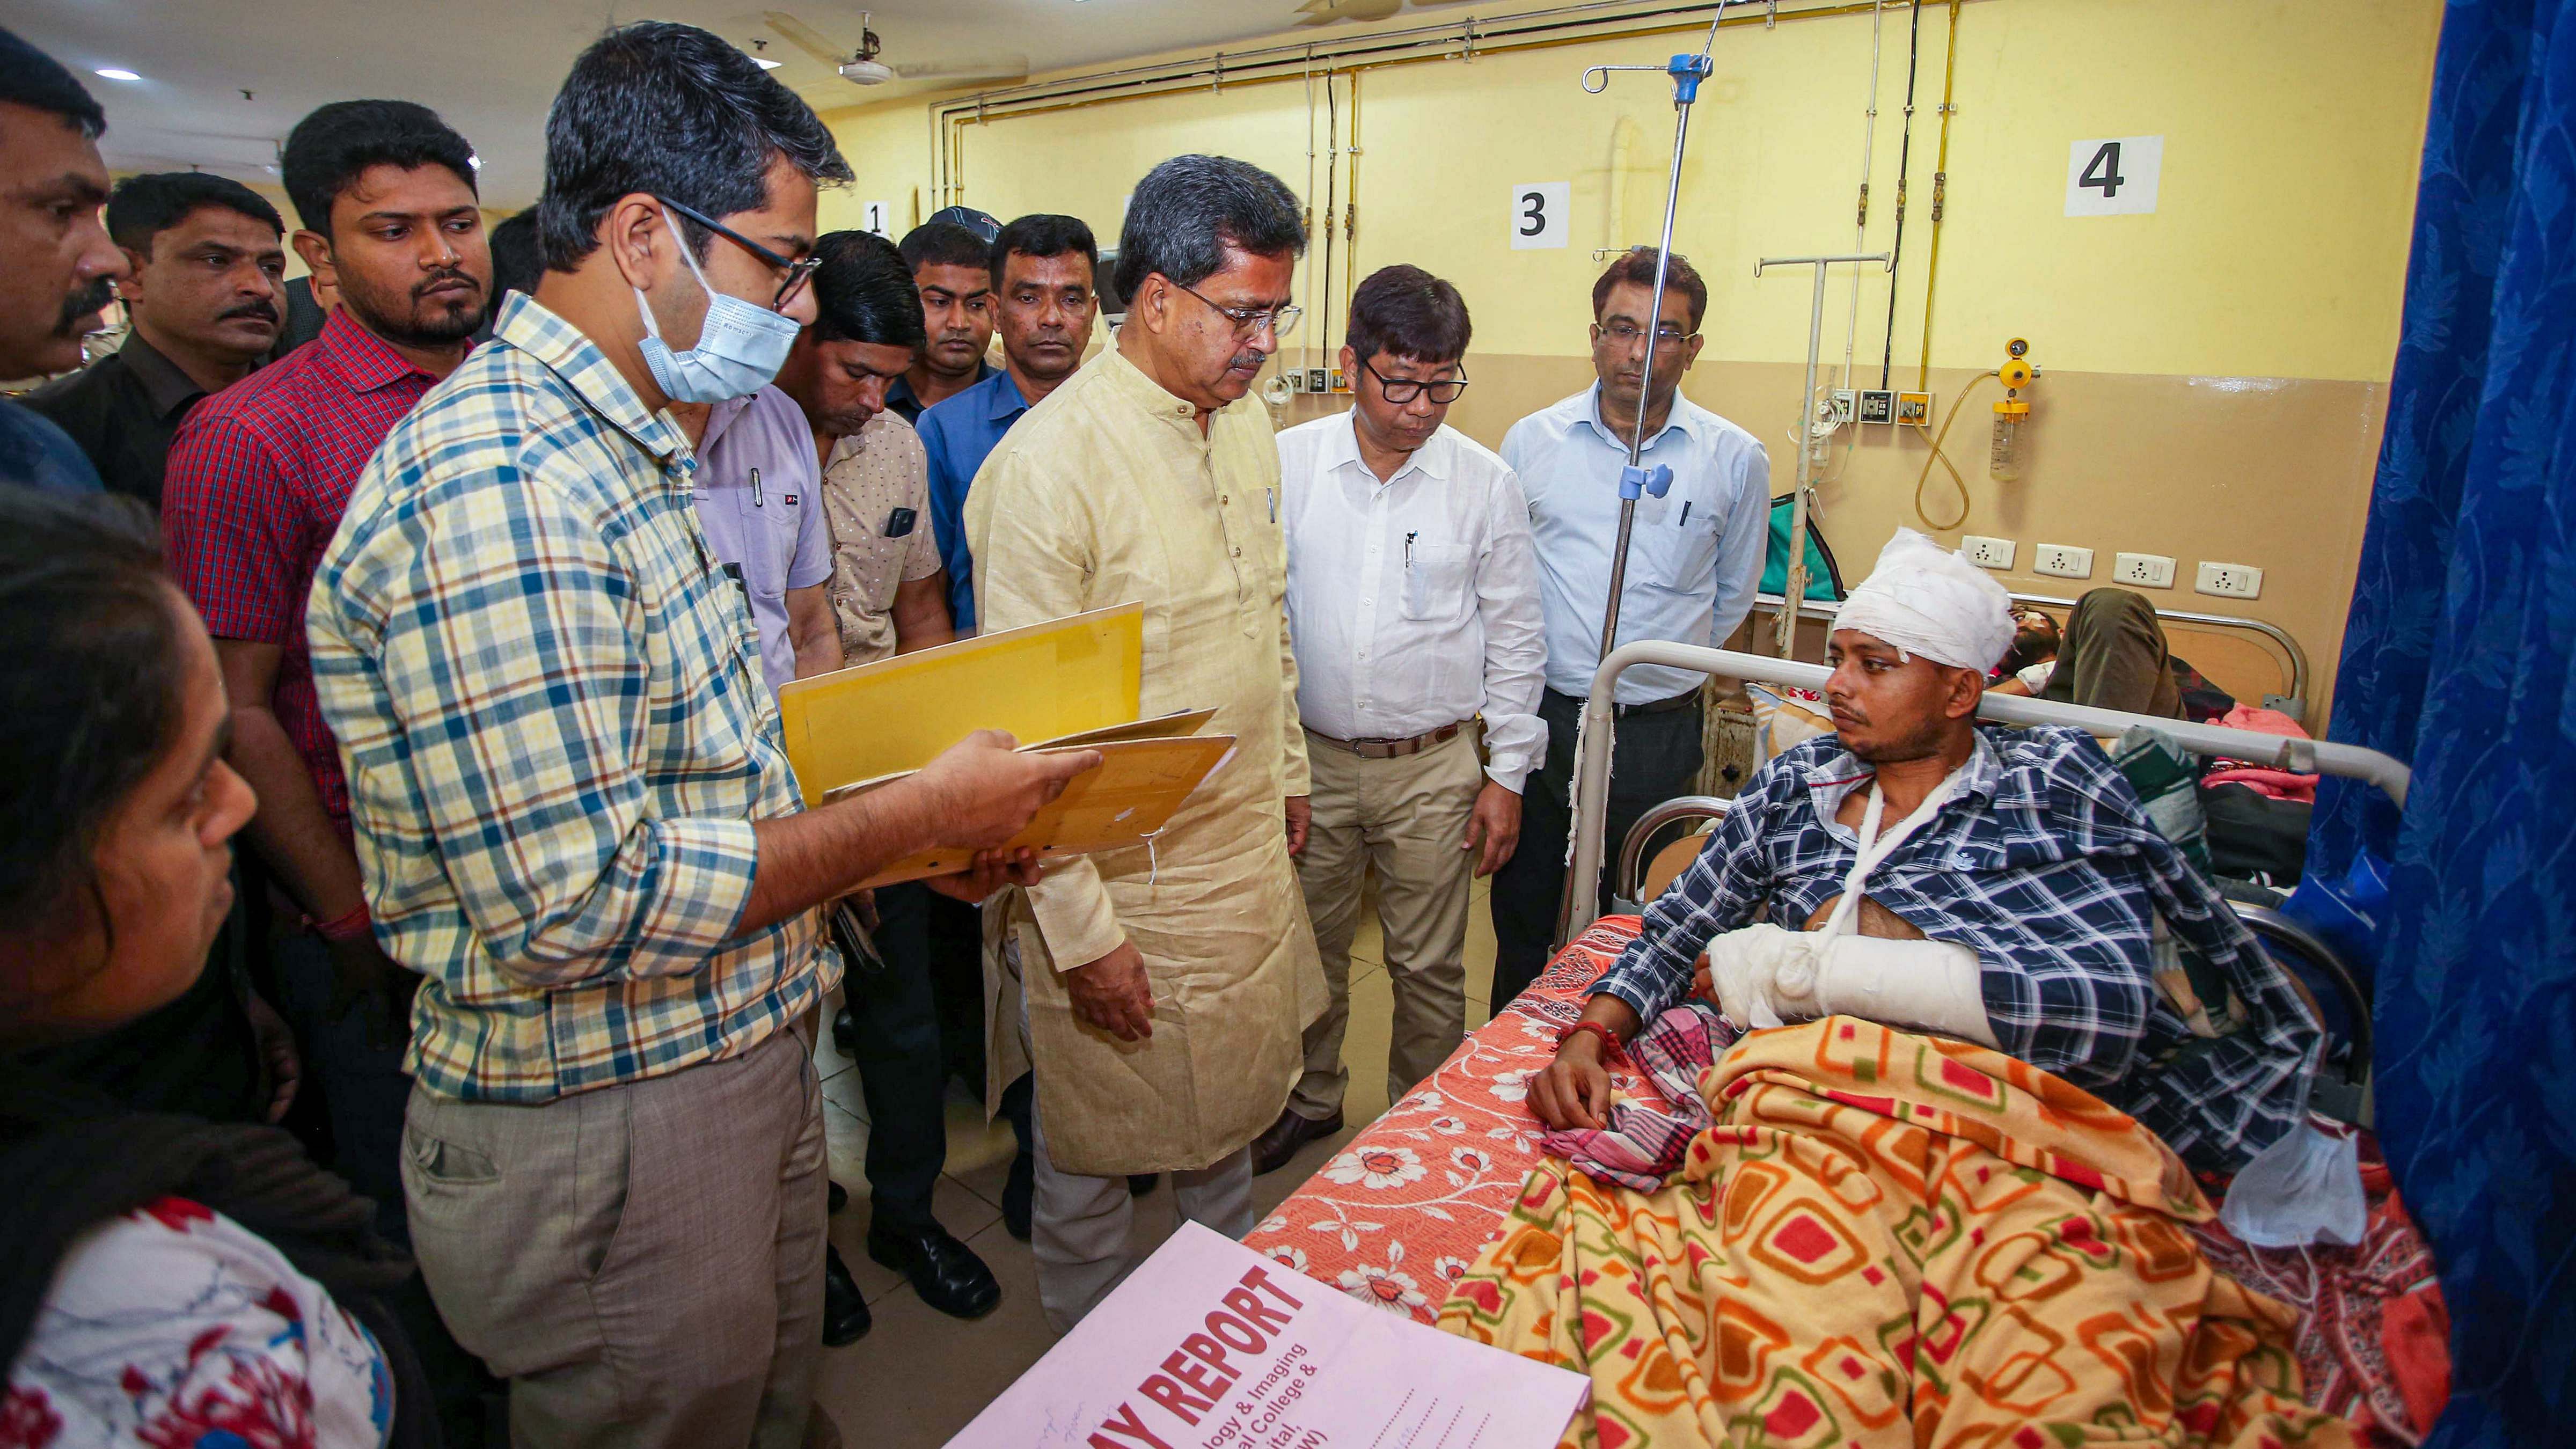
pixel 1846 407
pixel 1914 409
pixel 2230 581
pixel 1296 379
pixel 1877 405
pixel 2064 560
pixel 2142 570
pixel 1987 553
pixel 1341 381
pixel 1315 380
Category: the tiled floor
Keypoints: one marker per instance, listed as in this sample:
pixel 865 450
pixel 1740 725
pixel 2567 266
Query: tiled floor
pixel 919 1376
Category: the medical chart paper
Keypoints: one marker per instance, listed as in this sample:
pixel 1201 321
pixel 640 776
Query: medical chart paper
pixel 1210 1345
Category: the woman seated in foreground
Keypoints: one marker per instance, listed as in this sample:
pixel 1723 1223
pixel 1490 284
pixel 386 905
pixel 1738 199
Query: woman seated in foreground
pixel 1940 1201
pixel 163 1280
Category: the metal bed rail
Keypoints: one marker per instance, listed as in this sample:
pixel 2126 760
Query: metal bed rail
pixel 2293 704
pixel 1580 908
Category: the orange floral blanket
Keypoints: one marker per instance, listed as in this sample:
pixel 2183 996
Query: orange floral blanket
pixel 1890 1239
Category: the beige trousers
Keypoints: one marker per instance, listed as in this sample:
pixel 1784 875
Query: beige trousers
pixel 643 1263
pixel 1404 817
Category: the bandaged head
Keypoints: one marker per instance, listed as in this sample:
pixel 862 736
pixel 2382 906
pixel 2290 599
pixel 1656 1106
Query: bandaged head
pixel 1925 599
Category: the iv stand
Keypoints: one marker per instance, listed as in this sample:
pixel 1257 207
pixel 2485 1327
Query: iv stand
pixel 1794 588
pixel 1636 480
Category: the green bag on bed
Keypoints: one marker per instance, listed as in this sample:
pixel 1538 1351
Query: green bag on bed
pixel 1824 576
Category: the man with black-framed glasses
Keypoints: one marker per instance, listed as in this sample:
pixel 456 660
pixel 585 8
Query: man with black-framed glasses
pixel 574 804
pixel 1165 986
pixel 1413 598
pixel 1693 564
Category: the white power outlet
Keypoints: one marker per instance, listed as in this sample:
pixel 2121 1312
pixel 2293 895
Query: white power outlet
pixel 2142 570
pixel 1845 406
pixel 1987 553
pixel 2232 581
pixel 2064 560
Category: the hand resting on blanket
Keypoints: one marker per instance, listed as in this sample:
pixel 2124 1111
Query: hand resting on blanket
pixel 1765 975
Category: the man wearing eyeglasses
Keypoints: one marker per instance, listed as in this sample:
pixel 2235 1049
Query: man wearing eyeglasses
pixel 1413 598
pixel 573 802
pixel 1165 986
pixel 1694 561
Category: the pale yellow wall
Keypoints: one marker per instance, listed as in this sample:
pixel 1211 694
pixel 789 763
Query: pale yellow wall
pixel 2192 346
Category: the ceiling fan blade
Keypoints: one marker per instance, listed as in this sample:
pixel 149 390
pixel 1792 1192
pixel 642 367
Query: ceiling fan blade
pixel 1327 12
pixel 997 70
pixel 797 33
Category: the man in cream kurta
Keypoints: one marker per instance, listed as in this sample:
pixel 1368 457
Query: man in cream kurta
pixel 1166 986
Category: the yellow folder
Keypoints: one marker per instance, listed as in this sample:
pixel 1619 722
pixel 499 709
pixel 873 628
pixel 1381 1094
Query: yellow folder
pixel 1132 794
pixel 1042 682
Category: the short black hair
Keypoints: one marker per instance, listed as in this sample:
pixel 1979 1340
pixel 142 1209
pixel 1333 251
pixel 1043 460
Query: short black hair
pixel 944 244
pixel 1187 211
pixel 143 207
pixel 1405 311
pixel 92 666
pixel 1044 234
pixel 31 78
pixel 516 264
pixel 1638 265
pixel 334 145
pixel 863 292
pixel 669 110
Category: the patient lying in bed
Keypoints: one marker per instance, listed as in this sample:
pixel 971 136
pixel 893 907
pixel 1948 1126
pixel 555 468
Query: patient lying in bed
pixel 1939 1202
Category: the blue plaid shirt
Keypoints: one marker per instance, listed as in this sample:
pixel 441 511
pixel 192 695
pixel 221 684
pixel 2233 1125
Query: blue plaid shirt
pixel 551 706
pixel 2045 865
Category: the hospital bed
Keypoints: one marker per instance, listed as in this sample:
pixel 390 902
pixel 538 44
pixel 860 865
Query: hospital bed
pixel 1402 1211
pixel 2256 660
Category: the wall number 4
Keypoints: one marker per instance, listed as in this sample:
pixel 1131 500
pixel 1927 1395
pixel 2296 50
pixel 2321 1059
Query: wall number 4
pixel 2115 176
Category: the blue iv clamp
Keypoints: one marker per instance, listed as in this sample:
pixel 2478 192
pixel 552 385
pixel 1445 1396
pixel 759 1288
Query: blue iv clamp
pixel 1636 482
pixel 1687 72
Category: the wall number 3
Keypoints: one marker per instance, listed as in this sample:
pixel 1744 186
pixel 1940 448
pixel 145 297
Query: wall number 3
pixel 2114 176
pixel 1539 214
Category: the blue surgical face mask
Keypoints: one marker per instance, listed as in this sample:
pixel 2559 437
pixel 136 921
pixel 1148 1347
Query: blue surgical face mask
pixel 739 351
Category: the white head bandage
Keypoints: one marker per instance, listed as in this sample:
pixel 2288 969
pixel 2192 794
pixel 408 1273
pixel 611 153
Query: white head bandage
pixel 1927 600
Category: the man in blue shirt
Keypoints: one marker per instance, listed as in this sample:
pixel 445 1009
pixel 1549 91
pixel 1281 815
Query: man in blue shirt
pixel 952 268
pixel 1694 560
pixel 1042 265
pixel 57 265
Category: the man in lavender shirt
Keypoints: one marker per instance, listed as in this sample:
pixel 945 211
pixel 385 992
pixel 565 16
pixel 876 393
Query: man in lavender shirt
pixel 760 503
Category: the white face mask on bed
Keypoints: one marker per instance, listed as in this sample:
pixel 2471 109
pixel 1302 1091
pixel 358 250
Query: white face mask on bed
pixel 2305 1188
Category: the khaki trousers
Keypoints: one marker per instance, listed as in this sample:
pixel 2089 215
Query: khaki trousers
pixel 1405 817
pixel 644 1262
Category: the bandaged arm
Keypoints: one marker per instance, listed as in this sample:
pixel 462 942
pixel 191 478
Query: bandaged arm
pixel 1766 975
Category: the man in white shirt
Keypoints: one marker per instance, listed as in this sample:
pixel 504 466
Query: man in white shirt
pixel 1413 605
pixel 1694 561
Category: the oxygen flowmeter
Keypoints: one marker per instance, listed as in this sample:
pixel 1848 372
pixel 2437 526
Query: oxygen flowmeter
pixel 2003 459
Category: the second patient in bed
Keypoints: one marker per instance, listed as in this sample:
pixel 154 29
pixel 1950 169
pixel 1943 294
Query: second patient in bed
pixel 2006 888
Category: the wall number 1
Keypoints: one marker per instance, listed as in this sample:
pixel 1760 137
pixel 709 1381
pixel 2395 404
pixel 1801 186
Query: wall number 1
pixel 2115 176
pixel 1540 214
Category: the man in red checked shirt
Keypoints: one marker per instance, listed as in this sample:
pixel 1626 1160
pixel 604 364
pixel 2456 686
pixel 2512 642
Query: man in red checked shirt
pixel 256 481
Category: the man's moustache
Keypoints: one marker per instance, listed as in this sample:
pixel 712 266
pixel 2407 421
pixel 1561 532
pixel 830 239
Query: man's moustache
pixel 264 311
pixel 79 305
pixel 442 279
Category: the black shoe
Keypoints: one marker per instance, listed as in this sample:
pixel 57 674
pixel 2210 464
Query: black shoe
pixel 838 1198
pixel 1272 1149
pixel 1019 1194
pixel 945 1272
pixel 845 1032
pixel 845 1308
pixel 1140 1183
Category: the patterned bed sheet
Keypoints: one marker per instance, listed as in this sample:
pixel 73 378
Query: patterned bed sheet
pixel 1396 1217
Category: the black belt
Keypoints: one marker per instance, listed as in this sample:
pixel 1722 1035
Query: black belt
pixel 1688 699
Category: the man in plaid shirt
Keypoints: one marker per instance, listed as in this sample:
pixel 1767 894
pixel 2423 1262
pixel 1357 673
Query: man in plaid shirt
pixel 2013 899
pixel 573 803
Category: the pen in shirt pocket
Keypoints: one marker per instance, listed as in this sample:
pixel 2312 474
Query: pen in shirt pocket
pixel 1685 510
pixel 1273 495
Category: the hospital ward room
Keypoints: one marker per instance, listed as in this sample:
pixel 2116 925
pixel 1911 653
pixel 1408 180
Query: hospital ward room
pixel 1288 724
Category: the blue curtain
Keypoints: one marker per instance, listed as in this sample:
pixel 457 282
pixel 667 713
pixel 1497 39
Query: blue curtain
pixel 2456 659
